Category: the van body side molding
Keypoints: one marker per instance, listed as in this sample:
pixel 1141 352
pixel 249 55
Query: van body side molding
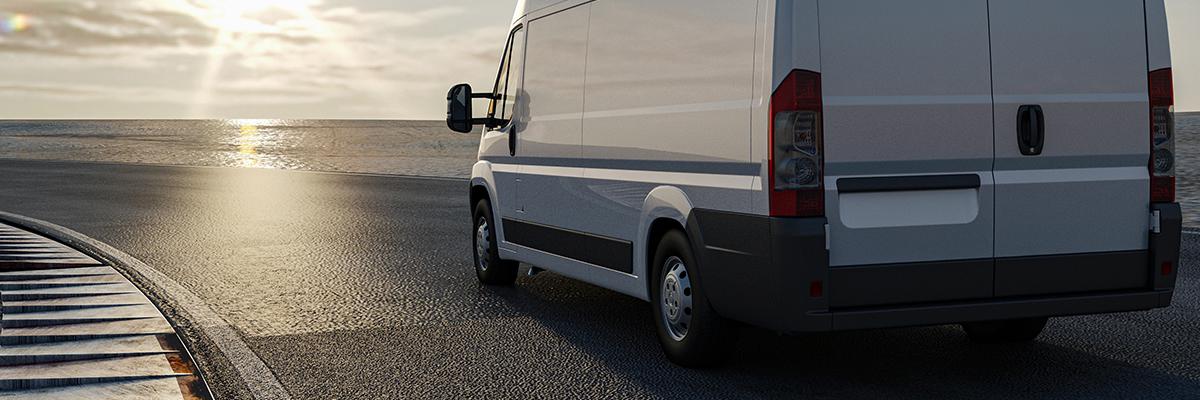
pixel 662 165
pixel 908 183
pixel 610 253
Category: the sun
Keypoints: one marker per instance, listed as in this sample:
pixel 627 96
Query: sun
pixel 238 22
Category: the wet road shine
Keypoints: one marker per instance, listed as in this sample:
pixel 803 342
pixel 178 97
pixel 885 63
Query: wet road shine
pixel 358 286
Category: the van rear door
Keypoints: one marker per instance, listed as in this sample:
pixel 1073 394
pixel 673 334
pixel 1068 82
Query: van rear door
pixel 908 133
pixel 1085 188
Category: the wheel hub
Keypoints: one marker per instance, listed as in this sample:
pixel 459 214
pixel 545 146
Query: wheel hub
pixel 483 242
pixel 676 297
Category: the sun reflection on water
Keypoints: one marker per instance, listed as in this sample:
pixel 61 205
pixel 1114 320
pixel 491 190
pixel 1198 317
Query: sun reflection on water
pixel 255 140
pixel 248 146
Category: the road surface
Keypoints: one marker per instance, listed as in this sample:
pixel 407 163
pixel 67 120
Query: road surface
pixel 354 286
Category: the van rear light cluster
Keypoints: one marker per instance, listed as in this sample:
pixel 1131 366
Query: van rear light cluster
pixel 1162 137
pixel 796 161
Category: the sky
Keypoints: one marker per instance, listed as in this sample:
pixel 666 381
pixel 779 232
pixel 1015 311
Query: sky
pixel 385 59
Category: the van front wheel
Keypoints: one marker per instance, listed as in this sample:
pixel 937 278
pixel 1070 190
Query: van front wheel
pixel 1009 331
pixel 489 268
pixel 690 332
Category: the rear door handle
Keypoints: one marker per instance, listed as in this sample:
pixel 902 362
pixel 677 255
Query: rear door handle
pixel 1031 129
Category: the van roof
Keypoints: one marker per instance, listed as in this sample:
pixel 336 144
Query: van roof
pixel 527 6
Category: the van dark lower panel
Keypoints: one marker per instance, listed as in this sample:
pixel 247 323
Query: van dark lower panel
pixel 910 283
pixel 872 285
pixel 1074 273
pixel 994 309
pixel 611 253
pixel 775 273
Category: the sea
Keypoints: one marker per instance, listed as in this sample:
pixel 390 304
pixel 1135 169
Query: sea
pixel 390 147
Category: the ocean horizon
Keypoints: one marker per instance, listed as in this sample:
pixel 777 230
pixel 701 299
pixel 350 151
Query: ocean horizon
pixel 399 147
pixel 388 147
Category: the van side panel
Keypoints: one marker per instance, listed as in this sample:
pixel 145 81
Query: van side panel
pixel 548 229
pixel 553 89
pixel 907 94
pixel 668 102
pixel 552 106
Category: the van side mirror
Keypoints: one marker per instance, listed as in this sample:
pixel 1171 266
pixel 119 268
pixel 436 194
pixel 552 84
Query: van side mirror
pixel 459 116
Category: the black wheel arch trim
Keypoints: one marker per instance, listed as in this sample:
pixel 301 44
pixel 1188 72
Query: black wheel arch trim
pixel 736 251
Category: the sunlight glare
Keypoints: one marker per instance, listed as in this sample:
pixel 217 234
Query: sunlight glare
pixel 230 18
pixel 237 22
pixel 242 7
pixel 237 15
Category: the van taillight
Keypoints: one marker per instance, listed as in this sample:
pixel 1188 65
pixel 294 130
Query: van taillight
pixel 1162 137
pixel 796 163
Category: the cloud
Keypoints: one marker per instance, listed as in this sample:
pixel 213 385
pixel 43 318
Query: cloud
pixel 160 95
pixel 387 20
pixel 42 89
pixel 63 27
pixel 85 29
pixel 343 57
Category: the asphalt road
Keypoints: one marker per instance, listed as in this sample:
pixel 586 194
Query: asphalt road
pixel 352 286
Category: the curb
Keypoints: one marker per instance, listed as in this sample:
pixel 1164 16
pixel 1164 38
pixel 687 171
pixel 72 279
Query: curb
pixel 255 374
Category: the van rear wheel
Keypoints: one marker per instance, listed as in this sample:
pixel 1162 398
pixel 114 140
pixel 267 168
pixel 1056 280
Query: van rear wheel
pixel 690 332
pixel 1008 331
pixel 489 268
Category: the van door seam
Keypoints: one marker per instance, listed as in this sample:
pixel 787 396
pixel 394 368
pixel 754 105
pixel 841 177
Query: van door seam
pixel 995 186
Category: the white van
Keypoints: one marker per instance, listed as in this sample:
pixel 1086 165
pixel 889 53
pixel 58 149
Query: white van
pixel 818 165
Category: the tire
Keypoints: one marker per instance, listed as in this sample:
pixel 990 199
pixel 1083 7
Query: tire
pixel 1008 331
pixel 691 334
pixel 489 268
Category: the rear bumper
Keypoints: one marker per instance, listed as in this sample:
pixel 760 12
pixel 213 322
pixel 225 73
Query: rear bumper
pixel 774 273
pixel 992 309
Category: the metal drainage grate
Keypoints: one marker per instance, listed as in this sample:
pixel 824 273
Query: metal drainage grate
pixel 72 327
